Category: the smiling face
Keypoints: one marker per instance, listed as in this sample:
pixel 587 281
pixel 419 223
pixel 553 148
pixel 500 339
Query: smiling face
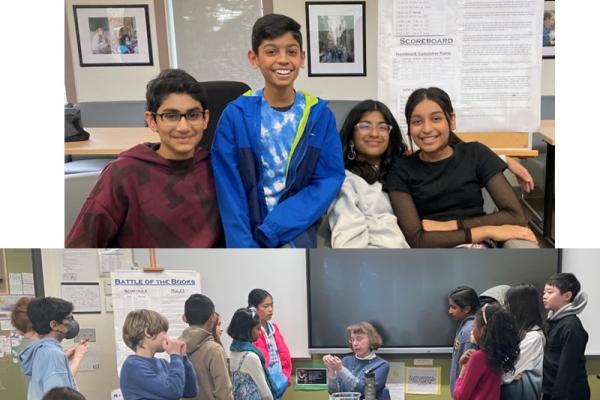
pixel 371 137
pixel 430 130
pixel 279 60
pixel 178 139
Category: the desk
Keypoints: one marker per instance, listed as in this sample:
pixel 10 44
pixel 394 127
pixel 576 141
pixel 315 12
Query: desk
pixel 544 227
pixel 110 141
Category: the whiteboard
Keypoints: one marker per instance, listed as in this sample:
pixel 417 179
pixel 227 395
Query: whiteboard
pixel 585 265
pixel 227 276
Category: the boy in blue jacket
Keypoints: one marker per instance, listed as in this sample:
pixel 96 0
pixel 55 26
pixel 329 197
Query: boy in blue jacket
pixel 44 360
pixel 276 156
pixel 145 377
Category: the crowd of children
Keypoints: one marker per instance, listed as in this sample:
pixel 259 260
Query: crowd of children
pixel 511 354
pixel 278 166
pixel 502 350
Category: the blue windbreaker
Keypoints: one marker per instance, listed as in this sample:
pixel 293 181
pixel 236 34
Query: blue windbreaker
pixel 315 172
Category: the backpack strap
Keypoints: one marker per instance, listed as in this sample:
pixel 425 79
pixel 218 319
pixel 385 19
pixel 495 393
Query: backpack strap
pixel 242 361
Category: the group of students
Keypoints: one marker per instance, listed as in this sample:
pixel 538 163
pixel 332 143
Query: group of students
pixel 277 166
pixel 260 364
pixel 502 349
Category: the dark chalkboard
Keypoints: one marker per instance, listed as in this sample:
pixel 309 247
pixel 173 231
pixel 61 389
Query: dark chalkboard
pixel 404 292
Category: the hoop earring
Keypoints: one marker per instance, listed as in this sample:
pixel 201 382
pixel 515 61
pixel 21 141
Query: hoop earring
pixel 352 153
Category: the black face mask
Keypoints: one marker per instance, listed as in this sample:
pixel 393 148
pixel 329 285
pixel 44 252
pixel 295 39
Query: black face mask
pixel 72 329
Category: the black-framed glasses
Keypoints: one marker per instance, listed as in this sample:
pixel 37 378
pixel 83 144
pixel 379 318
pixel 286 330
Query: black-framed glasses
pixel 195 115
pixel 367 127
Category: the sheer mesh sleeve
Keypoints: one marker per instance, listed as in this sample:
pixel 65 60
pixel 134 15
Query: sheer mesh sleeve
pixel 510 210
pixel 410 224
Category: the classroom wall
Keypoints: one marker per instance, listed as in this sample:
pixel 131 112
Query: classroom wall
pixel 128 83
pixel 111 83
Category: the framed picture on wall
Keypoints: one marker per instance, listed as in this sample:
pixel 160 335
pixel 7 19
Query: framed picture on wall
pixel 113 35
pixel 336 38
pixel 549 30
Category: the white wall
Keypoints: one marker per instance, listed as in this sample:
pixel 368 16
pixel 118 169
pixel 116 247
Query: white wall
pixel 128 83
pixel 111 83
pixel 585 264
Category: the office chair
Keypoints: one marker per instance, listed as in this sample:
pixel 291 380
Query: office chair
pixel 77 188
pixel 219 94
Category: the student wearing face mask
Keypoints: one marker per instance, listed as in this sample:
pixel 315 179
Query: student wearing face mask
pixel 44 361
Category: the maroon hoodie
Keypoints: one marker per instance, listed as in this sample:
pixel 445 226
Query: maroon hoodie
pixel 145 200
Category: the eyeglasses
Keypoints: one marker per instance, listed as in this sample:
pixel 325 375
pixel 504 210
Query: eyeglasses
pixel 193 116
pixel 356 339
pixel 367 127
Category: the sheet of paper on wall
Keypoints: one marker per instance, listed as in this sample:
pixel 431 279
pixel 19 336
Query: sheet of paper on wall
pixel 489 61
pixel 84 296
pixel 108 304
pixel 7 304
pixel 5 325
pixel 422 380
pixel 164 292
pixel 116 395
pixel 15 283
pixel 5 348
pixel 28 286
pixel 15 344
pixel 91 361
pixel 395 381
pixel 80 265
pixel 115 259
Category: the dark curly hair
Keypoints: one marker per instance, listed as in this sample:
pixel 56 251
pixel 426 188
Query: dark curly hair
pixel 499 337
pixel 396 146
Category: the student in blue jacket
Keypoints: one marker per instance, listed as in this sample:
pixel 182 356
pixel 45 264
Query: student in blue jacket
pixel 145 377
pixel 348 374
pixel 44 361
pixel 276 156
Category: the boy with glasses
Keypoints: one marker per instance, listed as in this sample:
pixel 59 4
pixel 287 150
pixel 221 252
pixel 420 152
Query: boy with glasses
pixel 44 361
pixel 157 194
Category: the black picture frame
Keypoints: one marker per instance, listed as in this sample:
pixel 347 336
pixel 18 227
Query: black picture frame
pixel 113 35
pixel 549 31
pixel 336 38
